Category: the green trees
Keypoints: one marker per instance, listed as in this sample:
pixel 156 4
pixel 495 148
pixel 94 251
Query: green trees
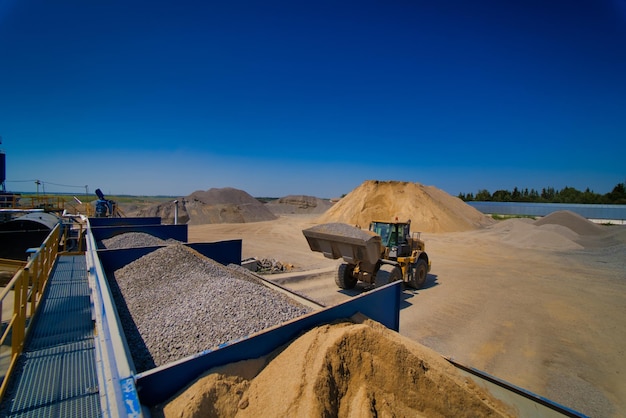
pixel 549 195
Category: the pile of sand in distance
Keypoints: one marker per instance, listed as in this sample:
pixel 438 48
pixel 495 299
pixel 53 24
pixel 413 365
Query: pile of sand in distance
pixel 342 369
pixel 559 231
pixel 429 209
pixel 298 204
pixel 166 212
pixel 571 220
pixel 216 205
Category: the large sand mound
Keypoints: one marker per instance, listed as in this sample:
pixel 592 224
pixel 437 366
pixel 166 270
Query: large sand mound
pixel 343 369
pixel 429 209
pixel 298 204
pixel 225 205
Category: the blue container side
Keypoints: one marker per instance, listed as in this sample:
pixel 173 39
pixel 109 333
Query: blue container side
pixel 152 220
pixel 157 385
pixel 224 252
pixel 177 232
pixel 589 211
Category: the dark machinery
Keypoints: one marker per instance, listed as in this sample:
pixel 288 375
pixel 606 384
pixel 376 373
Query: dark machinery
pixel 387 252
pixel 106 208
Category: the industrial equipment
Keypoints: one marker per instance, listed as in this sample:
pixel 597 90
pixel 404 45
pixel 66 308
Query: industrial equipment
pixel 385 253
pixel 106 208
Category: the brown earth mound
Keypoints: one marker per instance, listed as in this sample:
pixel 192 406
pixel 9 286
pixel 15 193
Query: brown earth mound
pixel 166 212
pixel 429 209
pixel 571 220
pixel 343 369
pixel 524 234
pixel 298 204
pixel 224 205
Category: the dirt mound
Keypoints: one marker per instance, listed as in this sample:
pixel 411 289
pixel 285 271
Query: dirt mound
pixel 342 369
pixel 571 220
pixel 298 204
pixel 166 212
pixel 224 205
pixel 429 209
pixel 523 233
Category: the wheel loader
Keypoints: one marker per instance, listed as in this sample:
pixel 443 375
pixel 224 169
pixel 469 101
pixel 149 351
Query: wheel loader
pixel 387 252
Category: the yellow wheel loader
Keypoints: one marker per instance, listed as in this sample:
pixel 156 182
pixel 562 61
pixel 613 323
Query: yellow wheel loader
pixel 387 252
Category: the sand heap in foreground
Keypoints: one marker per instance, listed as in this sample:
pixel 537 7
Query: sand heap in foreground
pixel 429 209
pixel 343 369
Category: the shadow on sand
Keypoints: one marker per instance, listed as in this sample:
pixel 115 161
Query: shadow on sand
pixel 407 292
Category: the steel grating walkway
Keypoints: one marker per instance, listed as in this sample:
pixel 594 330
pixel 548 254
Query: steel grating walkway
pixel 56 374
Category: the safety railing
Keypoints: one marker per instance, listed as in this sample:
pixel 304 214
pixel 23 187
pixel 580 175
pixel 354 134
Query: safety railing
pixel 73 237
pixel 52 203
pixel 27 287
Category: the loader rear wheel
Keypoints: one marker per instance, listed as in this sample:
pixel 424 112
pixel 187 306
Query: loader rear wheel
pixel 344 278
pixel 388 274
pixel 419 272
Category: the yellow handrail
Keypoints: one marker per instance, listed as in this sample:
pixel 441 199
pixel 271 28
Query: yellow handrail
pixel 28 285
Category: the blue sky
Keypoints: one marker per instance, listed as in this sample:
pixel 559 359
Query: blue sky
pixel 287 97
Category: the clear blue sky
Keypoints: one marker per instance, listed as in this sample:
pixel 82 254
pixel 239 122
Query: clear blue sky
pixel 312 97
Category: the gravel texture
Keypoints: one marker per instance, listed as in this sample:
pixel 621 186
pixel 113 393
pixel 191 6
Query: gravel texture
pixel 132 240
pixel 345 230
pixel 174 302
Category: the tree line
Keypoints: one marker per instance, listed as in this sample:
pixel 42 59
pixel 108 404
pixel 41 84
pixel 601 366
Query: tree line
pixel 549 195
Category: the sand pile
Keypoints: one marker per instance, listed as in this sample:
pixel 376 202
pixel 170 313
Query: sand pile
pixel 572 221
pixel 429 209
pixel 225 205
pixel 166 212
pixel 298 204
pixel 342 369
pixel 523 233
pixel 561 231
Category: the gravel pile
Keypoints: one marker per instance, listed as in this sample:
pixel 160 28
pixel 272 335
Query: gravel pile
pixel 132 240
pixel 174 303
pixel 343 229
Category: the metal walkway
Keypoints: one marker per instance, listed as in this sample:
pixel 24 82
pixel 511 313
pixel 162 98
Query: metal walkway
pixel 56 373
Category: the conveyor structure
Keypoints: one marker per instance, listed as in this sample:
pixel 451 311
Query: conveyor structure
pixel 91 372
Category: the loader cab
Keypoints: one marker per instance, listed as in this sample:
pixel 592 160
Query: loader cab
pixel 394 236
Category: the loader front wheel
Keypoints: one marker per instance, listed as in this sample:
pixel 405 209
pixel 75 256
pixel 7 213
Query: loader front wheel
pixel 344 278
pixel 419 272
pixel 388 274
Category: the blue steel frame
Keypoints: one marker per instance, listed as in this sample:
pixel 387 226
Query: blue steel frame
pixel 126 393
pixel 157 385
pixel 177 232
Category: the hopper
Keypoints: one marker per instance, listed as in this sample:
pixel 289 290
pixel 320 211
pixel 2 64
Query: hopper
pixel 339 240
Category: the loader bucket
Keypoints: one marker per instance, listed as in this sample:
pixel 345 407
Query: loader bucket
pixel 339 240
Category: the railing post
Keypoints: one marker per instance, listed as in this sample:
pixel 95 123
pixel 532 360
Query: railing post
pixel 34 274
pixel 28 286
pixel 21 297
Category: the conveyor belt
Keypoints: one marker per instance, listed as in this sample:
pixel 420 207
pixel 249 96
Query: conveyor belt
pixel 56 373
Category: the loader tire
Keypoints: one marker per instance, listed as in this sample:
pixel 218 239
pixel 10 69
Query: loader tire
pixel 388 274
pixel 344 278
pixel 419 272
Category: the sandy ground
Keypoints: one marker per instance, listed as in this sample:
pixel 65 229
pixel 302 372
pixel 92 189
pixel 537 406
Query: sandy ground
pixel 548 318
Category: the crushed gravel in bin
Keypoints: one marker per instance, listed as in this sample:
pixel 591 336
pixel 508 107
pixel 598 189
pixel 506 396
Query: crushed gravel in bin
pixel 343 229
pixel 174 302
pixel 133 240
